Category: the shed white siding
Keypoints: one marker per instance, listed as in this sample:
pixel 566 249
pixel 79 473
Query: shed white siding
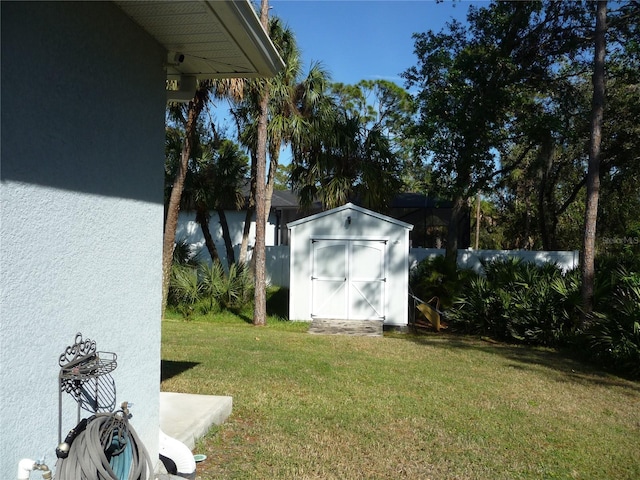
pixel 349 263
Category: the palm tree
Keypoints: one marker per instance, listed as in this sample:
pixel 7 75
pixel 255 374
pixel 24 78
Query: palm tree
pixel 215 174
pixel 294 101
pixel 265 126
pixel 194 109
pixel 260 294
pixel 346 160
pixel 188 116
pixel 294 104
pixel 226 179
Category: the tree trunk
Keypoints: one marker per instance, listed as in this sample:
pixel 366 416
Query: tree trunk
pixel 476 244
pixel 246 229
pixel 593 172
pixel 259 252
pixel 202 217
pixel 451 254
pixel 248 218
pixel 173 208
pixel 545 194
pixel 527 244
pixel 271 180
pixel 231 257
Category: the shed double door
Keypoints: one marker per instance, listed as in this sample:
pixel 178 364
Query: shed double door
pixel 348 279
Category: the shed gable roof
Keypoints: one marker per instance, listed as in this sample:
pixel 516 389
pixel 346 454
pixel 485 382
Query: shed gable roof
pixel 352 207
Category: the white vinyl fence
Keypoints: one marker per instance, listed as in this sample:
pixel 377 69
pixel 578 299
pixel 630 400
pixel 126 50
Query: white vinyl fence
pixel 566 260
pixel 278 259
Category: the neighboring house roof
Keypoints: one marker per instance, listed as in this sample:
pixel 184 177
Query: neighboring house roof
pixel 418 200
pixel 350 206
pixel 216 39
pixel 288 199
pixel 284 198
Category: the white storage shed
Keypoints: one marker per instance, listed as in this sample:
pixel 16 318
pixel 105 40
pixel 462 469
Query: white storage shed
pixel 349 263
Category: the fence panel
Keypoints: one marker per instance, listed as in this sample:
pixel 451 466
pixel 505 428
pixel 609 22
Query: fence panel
pixel 278 259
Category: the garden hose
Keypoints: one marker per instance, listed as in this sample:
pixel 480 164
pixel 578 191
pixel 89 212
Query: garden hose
pixel 104 447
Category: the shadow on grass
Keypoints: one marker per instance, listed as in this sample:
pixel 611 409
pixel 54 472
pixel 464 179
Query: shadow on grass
pixel 277 306
pixel 559 365
pixel 170 368
pixel 278 303
pixel 244 316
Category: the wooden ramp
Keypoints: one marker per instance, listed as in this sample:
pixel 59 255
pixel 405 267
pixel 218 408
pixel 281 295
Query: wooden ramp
pixel 329 326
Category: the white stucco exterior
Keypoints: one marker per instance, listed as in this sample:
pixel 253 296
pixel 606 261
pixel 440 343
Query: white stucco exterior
pixel 83 97
pixel 349 263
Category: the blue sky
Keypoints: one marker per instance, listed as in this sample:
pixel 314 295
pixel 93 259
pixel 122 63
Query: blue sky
pixel 366 39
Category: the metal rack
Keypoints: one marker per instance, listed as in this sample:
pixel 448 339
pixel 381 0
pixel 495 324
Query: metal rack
pixel 85 374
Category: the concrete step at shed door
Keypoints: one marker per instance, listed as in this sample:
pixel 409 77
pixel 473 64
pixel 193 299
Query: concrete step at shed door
pixel 328 326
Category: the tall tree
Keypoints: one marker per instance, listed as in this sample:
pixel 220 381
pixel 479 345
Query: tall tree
pixel 227 178
pixel 259 252
pixel 291 104
pixel 173 208
pixel 504 96
pixel 355 153
pixel 618 225
pixel 541 202
pixel 593 173
pixel 467 79
pixel 294 103
pixel 539 122
pixel 216 181
pixel 232 88
pixel 215 174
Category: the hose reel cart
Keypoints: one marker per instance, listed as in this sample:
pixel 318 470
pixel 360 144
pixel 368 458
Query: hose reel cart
pixel 103 446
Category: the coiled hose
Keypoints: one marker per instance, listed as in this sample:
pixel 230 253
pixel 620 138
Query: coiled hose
pixel 107 449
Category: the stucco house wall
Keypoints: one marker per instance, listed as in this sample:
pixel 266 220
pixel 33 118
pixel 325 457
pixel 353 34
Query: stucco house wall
pixel 81 197
pixel 350 224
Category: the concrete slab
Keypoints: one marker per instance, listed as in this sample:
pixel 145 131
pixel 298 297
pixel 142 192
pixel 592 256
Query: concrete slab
pixel 187 417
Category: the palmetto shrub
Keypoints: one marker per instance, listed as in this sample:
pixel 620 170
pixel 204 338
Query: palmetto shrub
pixel 612 335
pixel 478 310
pixel 516 301
pixel 230 290
pixel 519 301
pixel 185 291
pixel 184 253
pixel 431 278
pixel 207 288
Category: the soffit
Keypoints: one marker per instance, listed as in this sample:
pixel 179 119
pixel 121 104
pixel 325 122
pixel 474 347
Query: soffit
pixel 219 39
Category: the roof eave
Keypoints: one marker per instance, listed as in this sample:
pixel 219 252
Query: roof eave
pixel 235 22
pixel 252 39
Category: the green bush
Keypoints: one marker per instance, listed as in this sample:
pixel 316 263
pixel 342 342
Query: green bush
pixel 519 301
pixel 516 301
pixel 231 290
pixel 612 335
pixel 432 278
pixel 185 291
pixel 185 254
pixel 207 288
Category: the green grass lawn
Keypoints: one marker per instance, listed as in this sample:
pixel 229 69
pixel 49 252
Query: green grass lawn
pixel 402 406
